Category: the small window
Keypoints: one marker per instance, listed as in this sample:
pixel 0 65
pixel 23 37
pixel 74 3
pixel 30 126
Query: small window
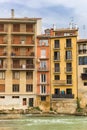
pixel 2 97
pixel 43 42
pixel 68 55
pixel 15 96
pixel 15 88
pixel 68 91
pixel 68 43
pixel 29 75
pixel 43 53
pixel 85 83
pixel 56 55
pixel 69 79
pixel 2 75
pixel 29 88
pixel 57 77
pixel 85 70
pixel 43 98
pixel 16 75
pixel 43 89
pixel 24 101
pixel 57 67
pixel 56 44
pixel 43 78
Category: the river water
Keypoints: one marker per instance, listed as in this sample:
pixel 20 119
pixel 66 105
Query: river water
pixel 45 123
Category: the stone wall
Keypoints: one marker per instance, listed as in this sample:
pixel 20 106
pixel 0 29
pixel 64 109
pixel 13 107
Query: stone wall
pixel 65 106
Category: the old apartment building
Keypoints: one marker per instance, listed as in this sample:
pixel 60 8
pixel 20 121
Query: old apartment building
pixel 17 61
pixel 43 71
pixel 64 63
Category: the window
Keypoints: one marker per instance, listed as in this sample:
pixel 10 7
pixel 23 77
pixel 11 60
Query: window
pixel 56 44
pixel 83 60
pixel 43 64
pixel 29 75
pixel 43 89
pixel 16 75
pixel 68 91
pixel 29 27
pixel 57 67
pixel 56 91
pixel 85 70
pixel 2 75
pixel 68 67
pixel 43 53
pixel 57 77
pixel 43 98
pixel 16 64
pixel 82 48
pixel 68 55
pixel 15 96
pixel 24 101
pixel 43 42
pixel 16 49
pixel 69 79
pixel 85 83
pixel 15 88
pixel 57 55
pixel 68 43
pixel 2 97
pixel 29 88
pixel 43 78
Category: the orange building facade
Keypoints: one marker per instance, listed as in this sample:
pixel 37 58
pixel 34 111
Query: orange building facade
pixel 43 72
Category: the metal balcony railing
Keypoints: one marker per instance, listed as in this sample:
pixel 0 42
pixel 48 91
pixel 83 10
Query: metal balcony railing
pixel 62 95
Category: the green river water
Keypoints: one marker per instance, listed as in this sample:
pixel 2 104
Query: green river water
pixel 45 123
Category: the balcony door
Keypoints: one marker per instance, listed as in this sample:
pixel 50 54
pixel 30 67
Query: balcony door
pixel 31 102
pixel 57 91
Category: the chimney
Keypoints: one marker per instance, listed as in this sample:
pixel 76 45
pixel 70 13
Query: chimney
pixel 12 13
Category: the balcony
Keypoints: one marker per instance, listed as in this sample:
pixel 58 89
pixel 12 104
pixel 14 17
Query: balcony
pixel 23 44
pixel 23 67
pixel 3 32
pixel 24 55
pixel 43 69
pixel 59 82
pixel 43 57
pixel 84 76
pixel 42 83
pixel 62 96
pixel 43 94
pixel 22 32
pixel 82 51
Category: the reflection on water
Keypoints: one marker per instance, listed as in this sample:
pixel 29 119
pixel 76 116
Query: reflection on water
pixel 45 123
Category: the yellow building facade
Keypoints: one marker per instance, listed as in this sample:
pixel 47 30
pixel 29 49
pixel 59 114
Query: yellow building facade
pixel 64 64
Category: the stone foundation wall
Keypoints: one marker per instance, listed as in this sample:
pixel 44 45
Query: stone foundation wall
pixel 65 106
